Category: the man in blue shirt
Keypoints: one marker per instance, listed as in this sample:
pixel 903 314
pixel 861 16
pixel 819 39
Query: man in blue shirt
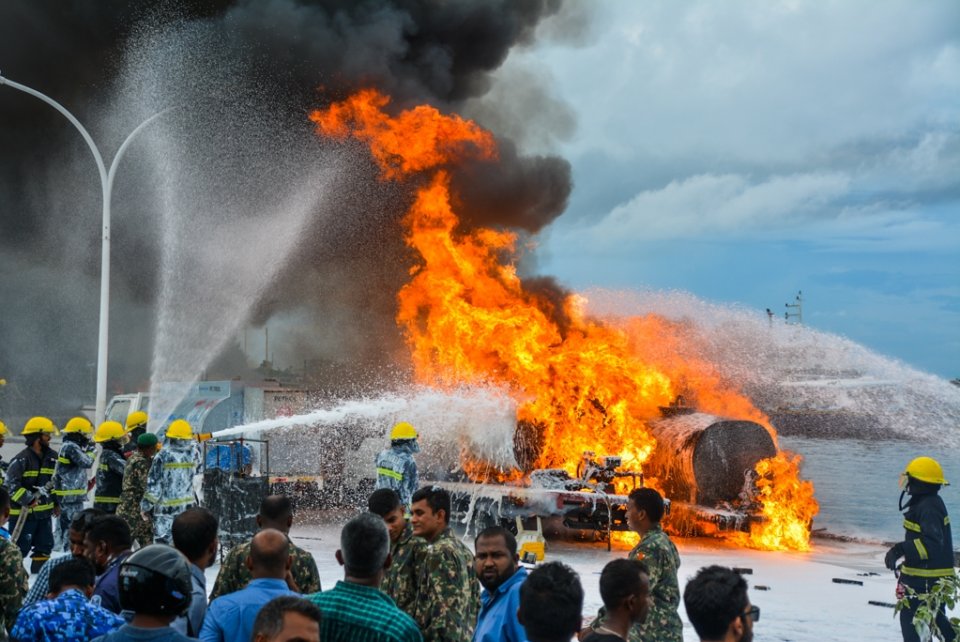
pixel 195 535
pixel 497 565
pixel 230 617
pixel 68 616
pixel 107 544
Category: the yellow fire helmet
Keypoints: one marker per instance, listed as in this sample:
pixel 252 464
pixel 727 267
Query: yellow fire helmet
pixel 36 425
pixel 109 430
pixel 3 429
pixel 179 429
pixel 403 430
pixel 137 419
pixel 925 469
pixel 79 424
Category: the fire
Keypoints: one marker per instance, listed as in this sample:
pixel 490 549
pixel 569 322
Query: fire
pixel 787 503
pixel 581 384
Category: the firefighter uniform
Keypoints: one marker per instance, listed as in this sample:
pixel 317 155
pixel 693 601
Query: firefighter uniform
pixel 70 480
pixel 170 480
pixel 30 482
pixel 927 548
pixel 396 468
pixel 111 436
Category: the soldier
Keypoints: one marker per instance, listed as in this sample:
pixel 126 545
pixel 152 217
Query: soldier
pixel 275 512
pixel 70 478
pixel 13 577
pixel 396 468
pixel 448 594
pixel 399 581
pixel 170 481
pixel 136 426
pixel 134 486
pixel 111 436
pixel 645 509
pixel 30 482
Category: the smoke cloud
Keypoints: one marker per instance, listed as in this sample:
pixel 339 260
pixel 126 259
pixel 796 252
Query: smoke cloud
pixel 201 198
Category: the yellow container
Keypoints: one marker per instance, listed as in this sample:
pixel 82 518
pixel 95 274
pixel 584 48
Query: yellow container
pixel 531 546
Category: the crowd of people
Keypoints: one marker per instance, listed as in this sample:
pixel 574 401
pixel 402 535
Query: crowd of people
pixel 406 576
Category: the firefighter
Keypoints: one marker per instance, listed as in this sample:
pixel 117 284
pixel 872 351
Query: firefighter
pixel 136 426
pixel 396 468
pixel 70 479
pixel 3 436
pixel 927 548
pixel 30 482
pixel 170 480
pixel 112 438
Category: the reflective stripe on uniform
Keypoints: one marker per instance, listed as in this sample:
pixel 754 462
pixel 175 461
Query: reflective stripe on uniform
pixel 47 471
pixel 78 491
pixel 63 460
pixel 20 492
pixel 185 464
pixel 33 509
pixel 31 473
pixel 100 499
pixel 911 526
pixel 386 472
pixel 177 502
pixel 927 572
pixel 921 549
pixel 103 467
pixel 946 520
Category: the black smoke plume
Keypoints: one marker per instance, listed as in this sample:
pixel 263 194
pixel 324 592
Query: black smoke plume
pixel 252 69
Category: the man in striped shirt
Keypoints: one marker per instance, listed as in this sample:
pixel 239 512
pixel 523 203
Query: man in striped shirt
pixel 355 610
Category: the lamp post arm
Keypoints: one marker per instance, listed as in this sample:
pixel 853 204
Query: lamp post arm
pixel 76 123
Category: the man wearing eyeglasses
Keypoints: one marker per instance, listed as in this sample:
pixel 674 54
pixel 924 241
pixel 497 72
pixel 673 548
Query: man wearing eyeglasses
pixel 718 606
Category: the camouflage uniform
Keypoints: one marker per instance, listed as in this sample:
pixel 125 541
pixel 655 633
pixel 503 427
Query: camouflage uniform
pixel 70 481
pixel 170 486
pixel 397 470
pixel 661 557
pixel 448 593
pixel 400 580
pixel 13 583
pixel 69 616
pixel 234 574
pixel 109 477
pixel 134 486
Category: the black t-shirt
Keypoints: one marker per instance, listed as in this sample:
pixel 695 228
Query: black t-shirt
pixel 602 637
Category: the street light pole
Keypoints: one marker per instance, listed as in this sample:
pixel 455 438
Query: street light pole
pixel 106 185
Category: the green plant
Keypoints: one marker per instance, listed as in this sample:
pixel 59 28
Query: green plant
pixel 945 593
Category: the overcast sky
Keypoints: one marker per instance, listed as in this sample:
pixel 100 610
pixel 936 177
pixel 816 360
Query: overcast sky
pixel 745 151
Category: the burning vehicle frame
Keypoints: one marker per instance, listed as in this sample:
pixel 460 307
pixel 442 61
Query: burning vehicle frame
pixel 704 465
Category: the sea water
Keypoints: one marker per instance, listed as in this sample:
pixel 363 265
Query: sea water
pixel 856 482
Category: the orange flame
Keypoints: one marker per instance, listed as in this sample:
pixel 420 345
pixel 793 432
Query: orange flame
pixel 788 506
pixel 581 384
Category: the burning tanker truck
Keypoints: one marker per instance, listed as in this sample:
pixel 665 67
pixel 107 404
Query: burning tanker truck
pixel 704 465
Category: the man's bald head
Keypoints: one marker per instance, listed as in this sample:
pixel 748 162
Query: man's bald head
pixel 269 554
